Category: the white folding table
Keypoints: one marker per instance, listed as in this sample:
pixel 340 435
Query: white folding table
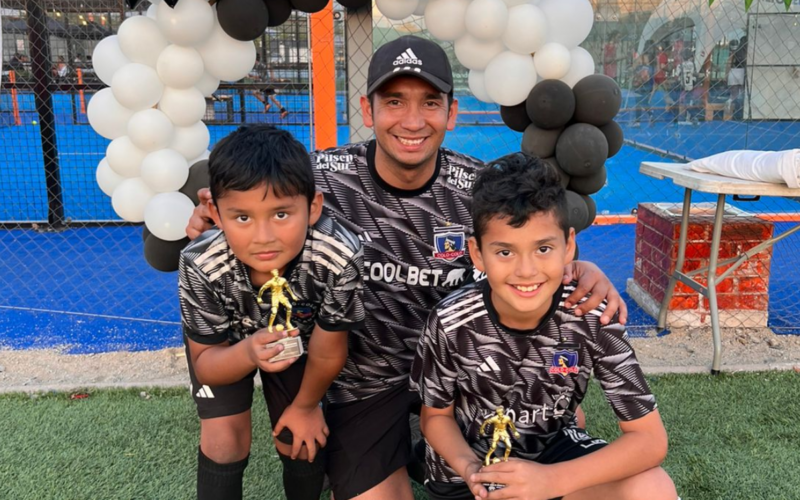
pixel 722 186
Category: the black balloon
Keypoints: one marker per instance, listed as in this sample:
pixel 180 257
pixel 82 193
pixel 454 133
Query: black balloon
pixel 614 137
pixel 309 6
pixel 163 255
pixel 243 20
pixel 550 104
pixel 515 117
pixel 279 11
pixel 578 211
pixel 589 184
pixel 564 176
pixel 132 3
pixel 581 150
pixel 198 178
pixel 592 207
pixel 540 142
pixel 597 100
pixel 354 4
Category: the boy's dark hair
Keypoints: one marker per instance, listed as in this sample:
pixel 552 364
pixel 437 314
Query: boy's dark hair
pixel 253 155
pixel 515 187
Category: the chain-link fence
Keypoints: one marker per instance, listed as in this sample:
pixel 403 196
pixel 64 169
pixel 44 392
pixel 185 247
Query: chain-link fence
pixel 696 80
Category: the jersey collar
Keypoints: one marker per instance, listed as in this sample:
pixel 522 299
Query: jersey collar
pixel 400 193
pixel 487 300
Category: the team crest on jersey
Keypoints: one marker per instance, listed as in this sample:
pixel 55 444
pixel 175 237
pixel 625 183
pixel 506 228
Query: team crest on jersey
pixel 449 242
pixel 303 313
pixel 564 363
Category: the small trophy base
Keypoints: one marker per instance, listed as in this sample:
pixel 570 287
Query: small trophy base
pixel 490 487
pixel 292 347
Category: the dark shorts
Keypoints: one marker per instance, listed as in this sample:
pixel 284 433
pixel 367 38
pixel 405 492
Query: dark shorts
pixel 370 440
pixel 571 443
pixel 268 92
pixel 225 400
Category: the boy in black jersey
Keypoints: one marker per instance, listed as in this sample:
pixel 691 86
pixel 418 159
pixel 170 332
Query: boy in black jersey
pixel 268 214
pixel 509 341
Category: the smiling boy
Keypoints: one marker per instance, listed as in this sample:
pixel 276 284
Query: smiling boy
pixel 509 341
pixel 270 229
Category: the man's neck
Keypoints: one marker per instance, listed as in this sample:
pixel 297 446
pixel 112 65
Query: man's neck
pixel 403 178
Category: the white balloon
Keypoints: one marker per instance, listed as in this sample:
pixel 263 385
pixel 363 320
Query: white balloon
pixel 152 12
pixel 569 21
pixel 486 19
pixel 552 61
pixel 514 3
pixel 527 29
pixel 107 58
pixel 183 107
pixel 191 22
pixel 154 2
pixel 445 18
pixel 206 154
pixel 165 170
pixel 191 141
pixel 107 179
pixel 140 40
pixel 509 78
pixel 581 65
pixel 476 54
pixel 477 86
pixel 150 130
pixel 420 10
pixel 129 199
pixel 226 58
pixel 124 158
pixel 207 84
pixel 179 67
pixel 137 86
pixel 108 117
pixel 167 214
pixel 397 9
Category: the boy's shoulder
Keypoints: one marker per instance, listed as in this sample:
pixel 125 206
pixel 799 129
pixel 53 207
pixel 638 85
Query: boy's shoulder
pixel 208 252
pixel 329 232
pixel 465 297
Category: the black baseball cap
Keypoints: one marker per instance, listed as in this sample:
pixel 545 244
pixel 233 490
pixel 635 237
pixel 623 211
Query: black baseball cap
pixel 410 55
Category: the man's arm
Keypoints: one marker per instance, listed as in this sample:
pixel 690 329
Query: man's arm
pixel 591 280
pixel 443 434
pixel 327 353
pixel 642 446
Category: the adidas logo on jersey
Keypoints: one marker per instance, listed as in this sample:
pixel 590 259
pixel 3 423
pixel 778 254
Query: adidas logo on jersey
pixel 204 393
pixel 407 57
pixel 489 365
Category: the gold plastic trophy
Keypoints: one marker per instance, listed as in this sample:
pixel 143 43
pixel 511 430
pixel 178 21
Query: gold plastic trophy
pixel 276 285
pixel 501 423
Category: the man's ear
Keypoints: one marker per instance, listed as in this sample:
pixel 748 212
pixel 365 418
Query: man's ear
pixel 315 210
pixel 475 254
pixel 452 115
pixel 366 111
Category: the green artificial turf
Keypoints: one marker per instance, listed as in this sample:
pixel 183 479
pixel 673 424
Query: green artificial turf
pixel 731 437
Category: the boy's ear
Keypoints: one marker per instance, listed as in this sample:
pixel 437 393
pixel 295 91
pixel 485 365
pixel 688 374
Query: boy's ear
pixel 475 254
pixel 214 213
pixel 570 255
pixel 315 210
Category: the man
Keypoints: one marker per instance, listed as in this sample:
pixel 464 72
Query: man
pixel 404 196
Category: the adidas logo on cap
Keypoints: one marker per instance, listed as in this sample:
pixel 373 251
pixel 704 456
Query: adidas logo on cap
pixel 407 57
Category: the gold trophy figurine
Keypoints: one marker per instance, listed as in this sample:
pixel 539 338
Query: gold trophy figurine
pixel 292 344
pixel 276 285
pixel 501 423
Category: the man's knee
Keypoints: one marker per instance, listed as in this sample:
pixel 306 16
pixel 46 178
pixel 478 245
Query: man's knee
pixel 226 439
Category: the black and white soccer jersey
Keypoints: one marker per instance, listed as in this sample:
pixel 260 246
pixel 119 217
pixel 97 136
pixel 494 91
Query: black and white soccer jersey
pixel 414 255
pixel 468 359
pixel 218 301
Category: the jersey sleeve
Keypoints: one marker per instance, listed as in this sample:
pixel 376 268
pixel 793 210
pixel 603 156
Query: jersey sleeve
pixel 433 373
pixel 342 306
pixel 619 373
pixel 203 315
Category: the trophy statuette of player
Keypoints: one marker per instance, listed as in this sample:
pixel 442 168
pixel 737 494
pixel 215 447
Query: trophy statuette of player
pixel 292 344
pixel 501 422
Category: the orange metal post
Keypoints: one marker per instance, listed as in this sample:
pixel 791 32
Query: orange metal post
pixel 323 78
pixel 12 78
pixel 80 92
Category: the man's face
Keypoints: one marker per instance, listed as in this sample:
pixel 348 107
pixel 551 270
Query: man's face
pixel 410 118
pixel 265 231
pixel 524 266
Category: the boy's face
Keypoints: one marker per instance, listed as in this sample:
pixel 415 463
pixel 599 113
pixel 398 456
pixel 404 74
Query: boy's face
pixel 410 118
pixel 524 266
pixel 265 231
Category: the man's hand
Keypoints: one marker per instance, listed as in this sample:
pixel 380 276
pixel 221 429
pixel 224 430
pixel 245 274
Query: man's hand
pixel 260 354
pixel 308 428
pixel 523 480
pixel 591 280
pixel 201 217
pixel 477 488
